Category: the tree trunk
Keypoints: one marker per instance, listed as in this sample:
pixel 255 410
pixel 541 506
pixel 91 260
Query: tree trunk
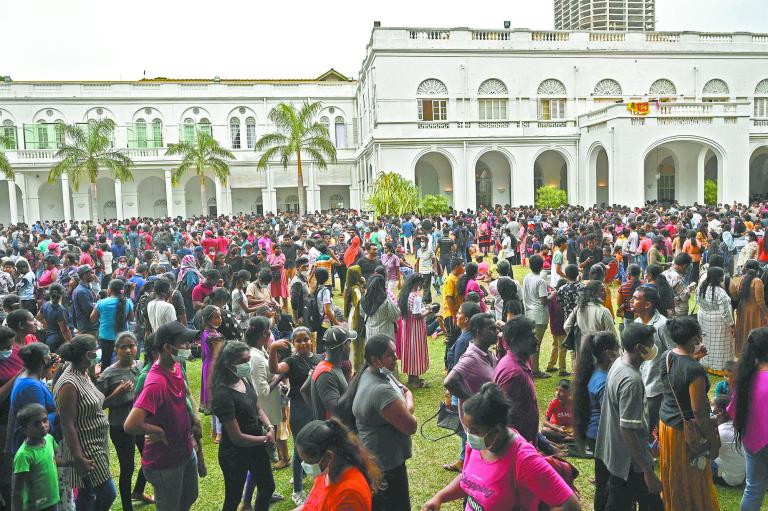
pixel 300 185
pixel 94 201
pixel 203 199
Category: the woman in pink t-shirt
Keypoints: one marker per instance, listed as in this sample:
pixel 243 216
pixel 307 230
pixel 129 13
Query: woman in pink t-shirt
pixel 502 471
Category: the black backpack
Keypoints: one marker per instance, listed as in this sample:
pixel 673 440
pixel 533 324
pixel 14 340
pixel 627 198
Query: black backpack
pixel 312 316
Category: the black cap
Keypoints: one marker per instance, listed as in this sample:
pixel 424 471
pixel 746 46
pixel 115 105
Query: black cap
pixel 337 336
pixel 173 332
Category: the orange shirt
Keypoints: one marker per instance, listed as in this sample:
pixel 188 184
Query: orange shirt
pixel 349 493
pixel 694 252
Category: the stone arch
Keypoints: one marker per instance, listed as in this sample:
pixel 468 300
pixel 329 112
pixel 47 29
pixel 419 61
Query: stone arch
pixel 105 194
pixel 503 178
pixel 758 173
pixel 148 113
pixel 149 191
pixel 192 194
pixel 5 204
pixel 433 173
pixel 48 115
pixel 98 112
pixel 599 172
pixel 51 201
pixel 196 113
pixel 551 167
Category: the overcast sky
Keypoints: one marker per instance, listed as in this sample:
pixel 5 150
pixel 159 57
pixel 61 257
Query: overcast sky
pixel 118 39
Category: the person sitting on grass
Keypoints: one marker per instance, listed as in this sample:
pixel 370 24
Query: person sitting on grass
pixel 558 424
pixel 35 481
pixel 730 467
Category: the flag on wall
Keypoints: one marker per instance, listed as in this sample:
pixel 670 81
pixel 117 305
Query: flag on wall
pixel 639 107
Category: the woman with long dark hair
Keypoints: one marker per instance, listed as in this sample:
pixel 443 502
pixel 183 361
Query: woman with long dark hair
pixel 467 283
pixel 112 315
pixel 345 474
pixel 415 352
pixel 590 314
pixel 247 432
pixel 748 294
pixel 654 279
pixel 686 476
pixel 716 319
pixel 380 310
pixel 598 352
pixel 749 416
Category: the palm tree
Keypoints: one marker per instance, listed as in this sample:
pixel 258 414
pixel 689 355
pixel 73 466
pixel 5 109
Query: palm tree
pixel 86 152
pixel 204 153
pixel 297 134
pixel 5 165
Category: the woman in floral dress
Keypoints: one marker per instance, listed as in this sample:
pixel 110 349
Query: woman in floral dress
pixel 279 286
pixel 415 353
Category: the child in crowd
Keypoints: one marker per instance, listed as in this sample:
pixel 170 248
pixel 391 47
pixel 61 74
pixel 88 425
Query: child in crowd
pixel 558 425
pixel 725 387
pixel 483 271
pixel 35 481
pixel 729 468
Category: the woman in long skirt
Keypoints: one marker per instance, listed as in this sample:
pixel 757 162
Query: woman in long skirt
pixel 279 285
pixel 415 354
pixel 747 291
pixel 716 320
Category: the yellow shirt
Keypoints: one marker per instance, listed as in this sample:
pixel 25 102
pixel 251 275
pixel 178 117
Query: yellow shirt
pixel 449 289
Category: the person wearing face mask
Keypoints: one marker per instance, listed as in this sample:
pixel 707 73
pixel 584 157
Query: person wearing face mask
pixel 622 436
pixel 259 295
pixel 298 367
pixel 344 472
pixel 645 304
pixel 514 376
pixel 502 470
pixel 160 413
pixel 85 426
pixel 247 431
pixel 383 412
pixel 10 368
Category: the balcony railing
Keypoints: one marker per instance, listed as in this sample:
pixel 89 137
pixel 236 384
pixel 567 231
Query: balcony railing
pixel 430 34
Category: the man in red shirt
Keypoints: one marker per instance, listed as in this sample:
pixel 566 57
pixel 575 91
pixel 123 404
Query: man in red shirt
pixel 203 289
pixel 209 244
pixel 222 243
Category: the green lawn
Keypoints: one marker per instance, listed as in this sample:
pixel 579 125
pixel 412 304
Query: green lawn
pixel 425 473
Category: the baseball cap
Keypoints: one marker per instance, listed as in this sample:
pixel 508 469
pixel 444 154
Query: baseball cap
pixel 174 332
pixel 337 336
pixel 83 269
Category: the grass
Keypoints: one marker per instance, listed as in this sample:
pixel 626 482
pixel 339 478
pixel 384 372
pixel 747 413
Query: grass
pixel 425 473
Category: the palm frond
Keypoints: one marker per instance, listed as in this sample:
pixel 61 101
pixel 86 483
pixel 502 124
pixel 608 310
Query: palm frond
pixel 269 140
pixel 5 167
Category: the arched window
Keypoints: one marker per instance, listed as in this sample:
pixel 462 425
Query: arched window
pixel 9 134
pixel 552 100
pixel 141 133
pixel 662 87
pixel 157 133
pixel 188 130
pixel 761 99
pixel 715 90
pixel 250 132
pixel 205 126
pixel 292 203
pixel 492 100
pixel 234 132
pixel 607 87
pixel 340 131
pixel 432 99
pixel 326 123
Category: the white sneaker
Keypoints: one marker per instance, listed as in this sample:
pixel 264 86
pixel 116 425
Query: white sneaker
pixel 299 498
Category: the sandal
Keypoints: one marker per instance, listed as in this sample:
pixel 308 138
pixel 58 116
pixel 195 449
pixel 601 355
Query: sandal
pixel 143 498
pixel 456 466
pixel 541 375
pixel 282 464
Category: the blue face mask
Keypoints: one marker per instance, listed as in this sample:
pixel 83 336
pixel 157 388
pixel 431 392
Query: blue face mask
pixel 6 354
pixel 311 469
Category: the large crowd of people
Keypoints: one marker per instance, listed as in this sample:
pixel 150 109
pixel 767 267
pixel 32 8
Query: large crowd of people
pixel 317 328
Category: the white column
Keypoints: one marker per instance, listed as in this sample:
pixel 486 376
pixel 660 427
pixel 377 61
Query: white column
pixel 701 160
pixel 65 197
pixel 169 193
pixel 119 199
pixel 221 206
pixel 309 189
pixel 12 201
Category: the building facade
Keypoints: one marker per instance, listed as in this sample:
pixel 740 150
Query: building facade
pixel 483 117
pixel 611 15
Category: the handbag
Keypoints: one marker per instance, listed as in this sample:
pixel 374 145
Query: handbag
pixel 695 443
pixel 447 418
pixel 572 338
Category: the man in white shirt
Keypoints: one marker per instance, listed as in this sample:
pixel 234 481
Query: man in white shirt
pixel 558 262
pixel 160 311
pixel 507 250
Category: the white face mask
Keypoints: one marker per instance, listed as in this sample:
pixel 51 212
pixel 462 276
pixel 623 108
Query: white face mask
pixel 6 354
pixel 311 469
pixel 650 353
pixel 305 274
pixel 181 355
pixel 477 442
pixel 243 370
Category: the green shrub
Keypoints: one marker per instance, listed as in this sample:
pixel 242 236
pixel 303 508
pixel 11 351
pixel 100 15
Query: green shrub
pixel 434 205
pixel 710 192
pixel 392 194
pixel 551 197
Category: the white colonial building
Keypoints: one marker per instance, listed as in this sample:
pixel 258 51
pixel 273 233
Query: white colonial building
pixel 481 116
